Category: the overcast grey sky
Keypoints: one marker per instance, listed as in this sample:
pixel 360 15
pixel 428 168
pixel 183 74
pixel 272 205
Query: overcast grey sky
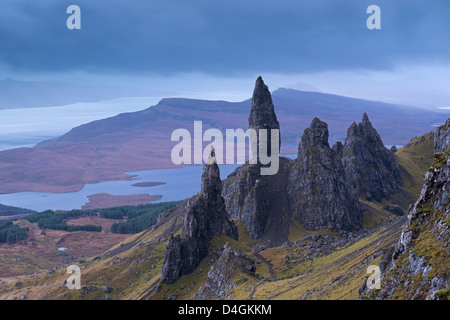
pixel 218 47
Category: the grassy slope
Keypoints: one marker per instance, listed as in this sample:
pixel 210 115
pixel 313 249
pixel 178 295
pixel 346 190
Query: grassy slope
pixel 416 157
pixel 132 268
pixel 430 242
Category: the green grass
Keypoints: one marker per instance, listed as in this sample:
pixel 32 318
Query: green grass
pixel 416 157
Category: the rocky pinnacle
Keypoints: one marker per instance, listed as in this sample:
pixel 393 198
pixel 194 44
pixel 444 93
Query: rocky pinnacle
pixel 262 112
pixel 318 191
pixel 370 167
pixel 205 218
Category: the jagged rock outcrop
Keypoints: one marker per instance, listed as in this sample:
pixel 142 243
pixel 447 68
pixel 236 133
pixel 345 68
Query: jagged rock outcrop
pixel 262 114
pixel 205 218
pixel 370 168
pixel 318 192
pixel 257 199
pixel 245 193
pixel 442 137
pixel 418 268
pixel 220 277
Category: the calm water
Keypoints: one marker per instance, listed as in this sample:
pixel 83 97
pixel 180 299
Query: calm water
pixel 181 183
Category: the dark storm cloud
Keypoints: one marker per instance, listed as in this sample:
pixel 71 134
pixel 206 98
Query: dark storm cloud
pixel 220 37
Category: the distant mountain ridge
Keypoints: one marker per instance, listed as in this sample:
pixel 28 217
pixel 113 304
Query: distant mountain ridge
pixel 293 106
pixel 103 150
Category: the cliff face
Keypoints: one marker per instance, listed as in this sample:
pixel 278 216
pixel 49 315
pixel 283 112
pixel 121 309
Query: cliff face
pixel 318 193
pixel 370 167
pixel 205 218
pixel 442 137
pixel 248 194
pixel 244 192
pixel 257 200
pixel 418 267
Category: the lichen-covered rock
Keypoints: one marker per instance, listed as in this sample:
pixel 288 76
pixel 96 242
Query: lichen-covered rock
pixel 245 193
pixel 318 192
pixel 205 217
pixel 370 168
pixel 442 137
pixel 418 268
pixel 220 277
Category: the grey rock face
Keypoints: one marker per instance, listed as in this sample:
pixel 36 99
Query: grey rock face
pixel 219 281
pixel 262 113
pixel 370 167
pixel 425 227
pixel 318 193
pixel 205 218
pixel 107 289
pixel 246 191
pixel 442 137
pixel 337 148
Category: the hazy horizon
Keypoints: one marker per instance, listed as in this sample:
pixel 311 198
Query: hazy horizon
pixel 215 50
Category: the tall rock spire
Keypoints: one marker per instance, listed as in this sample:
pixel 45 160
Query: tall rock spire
pixel 262 113
pixel 205 217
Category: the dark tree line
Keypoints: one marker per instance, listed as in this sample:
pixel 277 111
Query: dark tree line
pixel 11 233
pixel 50 220
pixel 141 217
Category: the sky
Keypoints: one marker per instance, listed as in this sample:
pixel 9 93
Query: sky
pixel 217 48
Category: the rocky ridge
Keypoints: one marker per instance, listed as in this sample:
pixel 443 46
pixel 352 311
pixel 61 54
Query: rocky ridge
pixel 318 192
pixel 417 268
pixel 370 168
pixel 321 187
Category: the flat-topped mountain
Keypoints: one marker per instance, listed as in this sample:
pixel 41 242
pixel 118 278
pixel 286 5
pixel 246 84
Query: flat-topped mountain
pixel 100 150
